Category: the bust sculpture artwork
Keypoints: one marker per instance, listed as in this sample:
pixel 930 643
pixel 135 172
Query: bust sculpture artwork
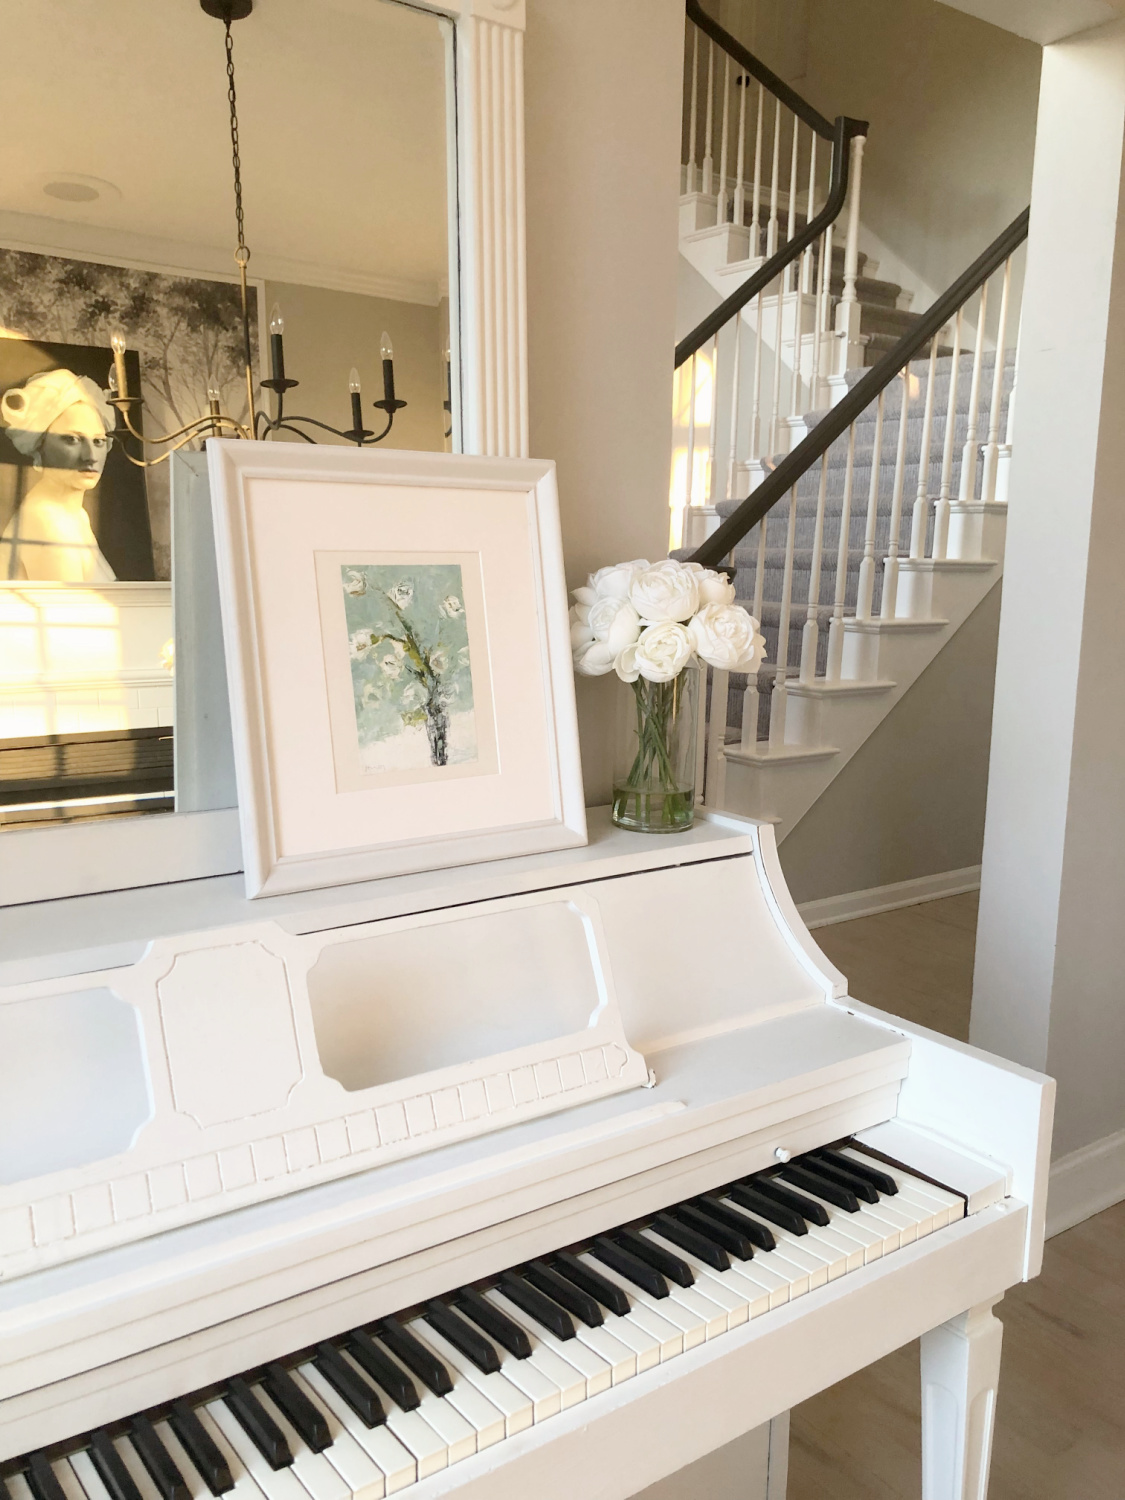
pixel 60 421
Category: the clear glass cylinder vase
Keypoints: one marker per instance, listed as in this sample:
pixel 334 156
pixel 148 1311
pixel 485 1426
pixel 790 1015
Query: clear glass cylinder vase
pixel 654 775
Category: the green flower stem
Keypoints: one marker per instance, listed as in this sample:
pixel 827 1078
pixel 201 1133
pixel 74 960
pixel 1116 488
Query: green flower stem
pixel 651 795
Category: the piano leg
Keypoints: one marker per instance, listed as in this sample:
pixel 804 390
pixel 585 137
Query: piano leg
pixel 960 1373
pixel 777 1473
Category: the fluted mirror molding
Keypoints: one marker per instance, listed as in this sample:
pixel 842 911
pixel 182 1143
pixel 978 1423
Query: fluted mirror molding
pixel 488 347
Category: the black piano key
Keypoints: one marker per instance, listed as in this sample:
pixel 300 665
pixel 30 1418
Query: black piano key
pixel 486 1315
pixel 111 1467
pixel 608 1293
pixel 688 1238
pixel 831 1192
pixel 564 1292
pixel 349 1385
pixel 158 1461
pixel 201 1448
pixel 633 1269
pixel 825 1170
pixel 731 1241
pixel 287 1395
pixel 882 1181
pixel 415 1356
pixel 767 1208
pixel 755 1232
pixel 669 1265
pixel 257 1424
pixel 384 1372
pixel 41 1480
pixel 544 1310
pixel 815 1213
pixel 463 1336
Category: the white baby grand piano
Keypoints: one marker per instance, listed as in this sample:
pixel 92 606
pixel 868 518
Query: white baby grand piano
pixel 258 1128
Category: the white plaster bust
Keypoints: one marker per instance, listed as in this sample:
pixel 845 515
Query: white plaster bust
pixel 60 419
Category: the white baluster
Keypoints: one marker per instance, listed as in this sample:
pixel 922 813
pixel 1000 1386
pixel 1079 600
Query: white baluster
pixel 991 452
pixel 756 199
pixel 791 280
pixel 775 410
pixel 756 399
pixel 890 562
pixel 791 217
pixel 713 426
pixel 689 498
pixel 810 635
pixel 941 509
pixel 968 487
pixel 780 688
pixel 775 191
pixel 921 514
pixel 848 309
pixel 750 696
pixel 1004 459
pixel 717 738
pixel 820 320
pixel 722 205
pixel 740 157
pixel 735 399
pixel 866 589
pixel 836 629
pixel 692 176
pixel 810 213
pixel 709 121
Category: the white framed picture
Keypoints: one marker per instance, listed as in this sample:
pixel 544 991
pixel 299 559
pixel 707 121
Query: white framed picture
pixel 398 655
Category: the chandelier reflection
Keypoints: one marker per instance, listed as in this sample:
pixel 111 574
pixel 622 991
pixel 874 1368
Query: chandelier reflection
pixel 260 424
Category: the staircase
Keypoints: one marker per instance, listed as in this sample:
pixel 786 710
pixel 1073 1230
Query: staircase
pixel 852 452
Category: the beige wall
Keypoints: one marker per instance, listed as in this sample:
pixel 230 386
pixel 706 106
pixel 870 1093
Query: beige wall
pixel 910 802
pixel 328 332
pixel 603 130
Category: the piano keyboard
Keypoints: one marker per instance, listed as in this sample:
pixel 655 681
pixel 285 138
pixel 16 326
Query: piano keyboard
pixel 381 1407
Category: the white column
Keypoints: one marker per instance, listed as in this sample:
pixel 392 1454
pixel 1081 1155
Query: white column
pixel 960 1372
pixel 1051 941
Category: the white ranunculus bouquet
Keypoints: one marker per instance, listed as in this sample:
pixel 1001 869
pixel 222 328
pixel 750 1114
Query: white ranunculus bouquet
pixel 647 622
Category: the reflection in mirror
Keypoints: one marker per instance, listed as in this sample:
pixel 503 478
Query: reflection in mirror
pixel 120 300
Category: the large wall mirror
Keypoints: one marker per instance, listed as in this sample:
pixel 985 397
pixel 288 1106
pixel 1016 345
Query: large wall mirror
pixel 381 157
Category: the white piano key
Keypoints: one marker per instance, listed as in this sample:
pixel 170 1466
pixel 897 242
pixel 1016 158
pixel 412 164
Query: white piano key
pixel 68 1480
pixel 197 1485
pixel 526 1376
pixel 734 1300
pixel 645 1345
pixel 18 1487
pixel 515 1407
pixel 931 1215
pixel 843 1254
pixel 873 1238
pixel 588 1374
pixel 950 1201
pixel 314 1470
pixel 485 1420
pixel 275 1484
pixel 137 1471
pixel 382 1447
pixel 91 1481
pixel 621 1358
pixel 799 1252
pixel 430 1453
pixel 888 1212
pixel 692 1325
pixel 246 1487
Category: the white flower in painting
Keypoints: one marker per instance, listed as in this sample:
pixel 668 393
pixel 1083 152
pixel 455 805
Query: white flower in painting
pixel 667 591
pixel 452 606
pixel 615 622
pixel 355 582
pixel 412 693
pixel 726 636
pixel 402 593
pixel 360 642
pixel 439 659
pixel 662 653
pixel 463 657
pixel 369 694
pixel 391 665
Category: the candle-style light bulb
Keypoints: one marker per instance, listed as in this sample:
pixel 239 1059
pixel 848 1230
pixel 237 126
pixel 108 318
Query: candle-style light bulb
pixel 353 381
pixel 277 349
pixel 117 343
pixel 277 322
pixel 386 348
pixel 357 405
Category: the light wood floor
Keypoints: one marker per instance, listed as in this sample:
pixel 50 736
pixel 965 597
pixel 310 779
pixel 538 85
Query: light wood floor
pixel 1061 1413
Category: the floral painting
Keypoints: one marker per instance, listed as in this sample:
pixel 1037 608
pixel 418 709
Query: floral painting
pixel 411 672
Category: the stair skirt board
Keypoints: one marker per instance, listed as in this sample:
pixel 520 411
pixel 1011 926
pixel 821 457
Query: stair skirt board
pixel 880 898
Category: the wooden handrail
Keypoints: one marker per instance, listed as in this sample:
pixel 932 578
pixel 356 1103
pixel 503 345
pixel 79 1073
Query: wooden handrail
pixel 837 421
pixel 731 45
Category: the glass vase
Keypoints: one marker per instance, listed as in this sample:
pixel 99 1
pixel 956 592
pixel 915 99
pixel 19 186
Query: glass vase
pixel 654 777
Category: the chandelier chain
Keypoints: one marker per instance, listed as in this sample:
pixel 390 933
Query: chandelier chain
pixel 242 252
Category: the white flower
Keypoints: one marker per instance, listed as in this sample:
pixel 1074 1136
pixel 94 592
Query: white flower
pixel 594 660
pixel 580 633
pixel 355 582
pixel 402 593
pixel 714 588
pixel 391 665
pixel 667 591
pixel 452 606
pixel 726 636
pixel 360 642
pixel 614 621
pixel 614 582
pixel 439 659
pixel 662 653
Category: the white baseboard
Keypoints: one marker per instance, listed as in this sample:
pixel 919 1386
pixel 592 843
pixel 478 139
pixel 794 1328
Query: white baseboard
pixel 1085 1182
pixel 854 904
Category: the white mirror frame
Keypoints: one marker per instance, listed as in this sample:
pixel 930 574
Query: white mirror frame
pixel 488 326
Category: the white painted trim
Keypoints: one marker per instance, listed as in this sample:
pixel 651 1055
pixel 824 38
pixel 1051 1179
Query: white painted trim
pixel 852 904
pixel 1085 1182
